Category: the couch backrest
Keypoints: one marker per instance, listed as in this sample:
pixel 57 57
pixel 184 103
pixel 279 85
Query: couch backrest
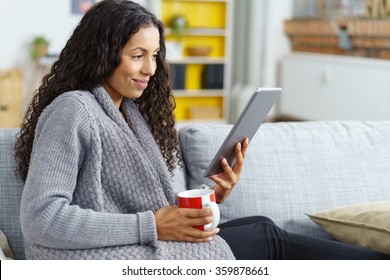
pixel 10 194
pixel 290 169
pixel 296 168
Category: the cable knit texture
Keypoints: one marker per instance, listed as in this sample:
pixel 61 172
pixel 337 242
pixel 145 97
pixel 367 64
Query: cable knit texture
pixel 93 183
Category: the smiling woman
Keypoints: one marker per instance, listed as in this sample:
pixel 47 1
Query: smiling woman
pixel 137 64
pixel 106 110
pixel 97 146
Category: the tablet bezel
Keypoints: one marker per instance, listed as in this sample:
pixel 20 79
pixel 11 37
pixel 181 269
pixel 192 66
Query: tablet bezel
pixel 248 122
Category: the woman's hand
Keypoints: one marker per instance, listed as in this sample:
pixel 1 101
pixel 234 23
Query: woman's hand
pixel 174 223
pixel 226 181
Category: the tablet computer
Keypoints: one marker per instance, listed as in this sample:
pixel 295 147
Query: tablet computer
pixel 249 121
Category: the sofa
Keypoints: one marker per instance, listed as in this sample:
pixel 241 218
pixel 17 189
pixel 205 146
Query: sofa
pixel 292 171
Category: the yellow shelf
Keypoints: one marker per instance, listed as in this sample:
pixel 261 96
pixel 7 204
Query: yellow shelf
pixel 199 14
pixel 198 60
pixel 206 27
pixel 200 32
pixel 189 108
pixel 198 93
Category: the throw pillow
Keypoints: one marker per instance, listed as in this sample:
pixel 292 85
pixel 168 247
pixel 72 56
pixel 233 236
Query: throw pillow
pixel 366 225
pixel 5 251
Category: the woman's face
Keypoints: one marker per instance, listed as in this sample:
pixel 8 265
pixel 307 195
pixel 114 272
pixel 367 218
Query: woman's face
pixel 137 65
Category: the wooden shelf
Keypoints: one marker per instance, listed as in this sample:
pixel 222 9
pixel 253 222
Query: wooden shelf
pixel 198 93
pixel 11 98
pixel 200 32
pixel 47 60
pixel 182 123
pixel 197 1
pixel 198 60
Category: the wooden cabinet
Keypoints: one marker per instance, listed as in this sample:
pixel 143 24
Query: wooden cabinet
pixel 11 98
pixel 326 87
pixel 200 86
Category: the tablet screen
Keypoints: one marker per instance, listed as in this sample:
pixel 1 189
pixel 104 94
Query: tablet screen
pixel 246 126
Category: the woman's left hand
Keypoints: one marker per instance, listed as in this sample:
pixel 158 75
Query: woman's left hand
pixel 226 181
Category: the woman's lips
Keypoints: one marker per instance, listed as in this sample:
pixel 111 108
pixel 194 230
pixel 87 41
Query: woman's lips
pixel 141 84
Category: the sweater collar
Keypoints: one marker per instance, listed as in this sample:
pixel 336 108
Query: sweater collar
pixel 109 107
pixel 138 131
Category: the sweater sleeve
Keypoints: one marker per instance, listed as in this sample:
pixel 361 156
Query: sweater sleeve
pixel 47 216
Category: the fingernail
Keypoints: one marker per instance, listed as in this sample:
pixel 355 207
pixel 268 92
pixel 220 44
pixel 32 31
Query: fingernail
pixel 209 239
pixel 217 230
pixel 224 161
pixel 239 146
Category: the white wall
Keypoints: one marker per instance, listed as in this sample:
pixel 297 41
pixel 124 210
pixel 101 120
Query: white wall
pixel 21 20
pixel 276 42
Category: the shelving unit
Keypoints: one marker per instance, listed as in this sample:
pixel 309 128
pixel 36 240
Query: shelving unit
pixel 207 26
pixel 11 98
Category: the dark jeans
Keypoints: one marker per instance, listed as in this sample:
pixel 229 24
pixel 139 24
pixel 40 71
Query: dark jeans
pixel 258 238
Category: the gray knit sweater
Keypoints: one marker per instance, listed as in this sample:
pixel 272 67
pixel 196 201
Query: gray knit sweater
pixel 93 183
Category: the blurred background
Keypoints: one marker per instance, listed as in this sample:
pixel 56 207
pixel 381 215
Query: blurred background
pixel 331 57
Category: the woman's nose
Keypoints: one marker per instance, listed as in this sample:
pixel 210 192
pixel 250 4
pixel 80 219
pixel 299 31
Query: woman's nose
pixel 149 66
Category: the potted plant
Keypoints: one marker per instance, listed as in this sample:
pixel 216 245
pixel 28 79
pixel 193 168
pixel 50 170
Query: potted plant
pixel 178 26
pixel 39 47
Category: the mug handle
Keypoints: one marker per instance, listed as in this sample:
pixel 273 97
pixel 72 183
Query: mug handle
pixel 216 216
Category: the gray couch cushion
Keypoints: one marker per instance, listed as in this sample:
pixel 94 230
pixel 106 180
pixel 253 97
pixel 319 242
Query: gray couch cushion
pixel 10 194
pixel 297 168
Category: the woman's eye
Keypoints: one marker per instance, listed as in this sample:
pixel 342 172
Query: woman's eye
pixel 137 57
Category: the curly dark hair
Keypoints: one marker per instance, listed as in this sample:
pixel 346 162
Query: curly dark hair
pixel 89 57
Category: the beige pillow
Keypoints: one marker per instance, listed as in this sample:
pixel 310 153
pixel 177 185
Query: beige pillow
pixel 366 225
pixel 5 251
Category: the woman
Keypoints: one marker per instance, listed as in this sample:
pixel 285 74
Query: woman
pixel 95 146
pixel 95 151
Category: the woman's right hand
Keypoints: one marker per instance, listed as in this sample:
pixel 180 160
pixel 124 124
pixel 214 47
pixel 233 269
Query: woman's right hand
pixel 177 224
